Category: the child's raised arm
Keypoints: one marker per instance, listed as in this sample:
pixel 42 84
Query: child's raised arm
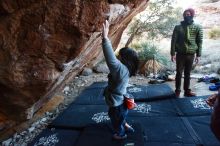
pixel 111 60
pixel 105 30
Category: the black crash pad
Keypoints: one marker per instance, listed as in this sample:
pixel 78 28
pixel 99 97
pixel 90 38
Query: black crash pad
pixel 151 92
pixel 168 144
pixel 56 137
pixel 97 85
pixel 170 130
pixel 201 126
pixel 91 96
pixel 94 93
pixel 154 108
pixel 192 106
pixel 101 135
pixel 79 116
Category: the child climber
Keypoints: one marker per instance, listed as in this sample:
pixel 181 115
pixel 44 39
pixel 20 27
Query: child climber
pixel 118 78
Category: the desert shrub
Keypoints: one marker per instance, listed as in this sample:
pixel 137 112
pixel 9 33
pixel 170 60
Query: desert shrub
pixel 148 51
pixel 214 33
pixel 136 46
pixel 151 58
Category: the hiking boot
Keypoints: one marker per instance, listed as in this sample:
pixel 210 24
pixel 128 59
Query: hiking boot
pixel 189 93
pixel 128 128
pixel 177 93
pixel 119 137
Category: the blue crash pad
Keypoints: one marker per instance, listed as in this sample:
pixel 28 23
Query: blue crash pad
pixel 94 93
pixel 78 116
pixel 154 108
pixel 56 137
pixel 168 130
pixel 151 92
pixel 164 120
pixel 192 106
pixel 201 126
pixel 101 135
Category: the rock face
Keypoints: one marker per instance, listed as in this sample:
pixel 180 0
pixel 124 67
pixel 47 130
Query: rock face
pixel 208 13
pixel 45 43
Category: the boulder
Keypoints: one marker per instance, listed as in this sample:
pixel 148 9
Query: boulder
pixel 101 68
pixel 46 43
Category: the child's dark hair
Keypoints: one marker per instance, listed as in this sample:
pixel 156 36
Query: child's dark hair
pixel 129 58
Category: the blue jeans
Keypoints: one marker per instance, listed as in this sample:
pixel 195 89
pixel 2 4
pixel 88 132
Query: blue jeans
pixel 118 116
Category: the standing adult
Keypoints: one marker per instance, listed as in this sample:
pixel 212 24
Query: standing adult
pixel 186 46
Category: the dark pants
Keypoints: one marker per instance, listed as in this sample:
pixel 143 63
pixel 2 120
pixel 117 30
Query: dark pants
pixel 183 63
pixel 118 115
